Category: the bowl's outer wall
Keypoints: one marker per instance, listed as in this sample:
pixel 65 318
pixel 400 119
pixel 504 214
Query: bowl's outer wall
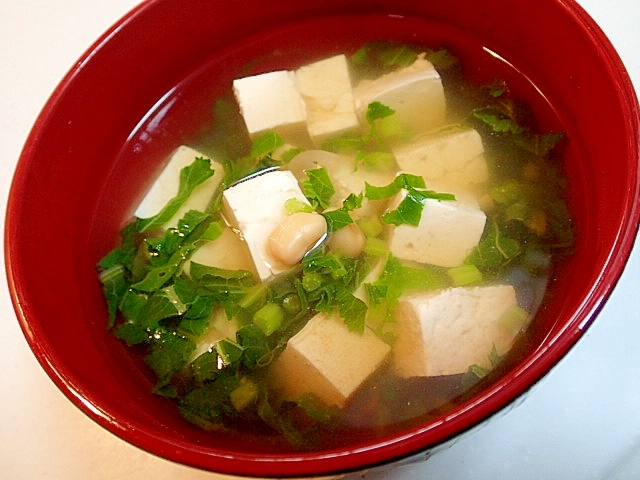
pixel 51 255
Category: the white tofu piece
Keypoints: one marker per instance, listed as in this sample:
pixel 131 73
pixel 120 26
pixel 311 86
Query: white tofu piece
pixel 325 87
pixel 166 186
pixel 328 360
pixel 228 251
pixel 414 92
pixel 445 333
pixel 452 156
pixel 271 101
pixel 255 207
pixel 447 233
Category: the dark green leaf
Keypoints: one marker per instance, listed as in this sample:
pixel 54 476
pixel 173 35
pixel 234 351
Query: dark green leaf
pixel 265 145
pixel 378 110
pixel 318 188
pixel 169 353
pixel 190 177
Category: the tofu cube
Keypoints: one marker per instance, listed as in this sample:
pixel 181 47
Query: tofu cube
pixel 325 87
pixel 255 207
pixel 271 101
pixel 445 333
pixel 447 233
pixel 220 327
pixel 228 251
pixel 414 92
pixel 166 187
pixel 454 156
pixel 328 360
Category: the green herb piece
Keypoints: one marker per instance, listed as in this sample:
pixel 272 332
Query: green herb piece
pixel 442 59
pixel 340 218
pixel 256 349
pixel 385 56
pixel 376 247
pixel 114 285
pixel 495 250
pixel 497 120
pixel 213 231
pixel 409 211
pixel 169 353
pixel 337 219
pixel 190 177
pixel 395 280
pixel 316 409
pixel 347 143
pixel 290 154
pixel 209 406
pixel 225 287
pixel 477 371
pixel 376 111
pixel 230 352
pixel 465 275
pixel 318 188
pixel 293 205
pixel 206 367
pixel 352 310
pixel 265 145
pixel 329 281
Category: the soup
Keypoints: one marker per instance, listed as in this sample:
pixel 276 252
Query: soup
pixel 350 245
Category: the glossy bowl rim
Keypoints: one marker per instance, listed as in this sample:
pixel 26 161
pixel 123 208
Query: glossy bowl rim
pixel 515 383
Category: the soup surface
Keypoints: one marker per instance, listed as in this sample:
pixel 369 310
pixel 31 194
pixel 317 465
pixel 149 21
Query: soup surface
pixel 337 247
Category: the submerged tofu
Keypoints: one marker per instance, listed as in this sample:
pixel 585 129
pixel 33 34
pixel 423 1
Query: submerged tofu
pixel 454 156
pixel 447 332
pixel 271 101
pixel 327 360
pixel 166 186
pixel 255 207
pixel 228 251
pixel 220 327
pixel 447 233
pixel 325 87
pixel 414 92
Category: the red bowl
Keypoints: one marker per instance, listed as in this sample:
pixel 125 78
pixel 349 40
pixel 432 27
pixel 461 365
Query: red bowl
pixel 80 176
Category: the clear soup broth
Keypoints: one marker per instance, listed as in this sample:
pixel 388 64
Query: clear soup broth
pixel 522 140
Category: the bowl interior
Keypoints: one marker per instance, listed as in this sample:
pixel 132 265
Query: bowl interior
pixel 111 122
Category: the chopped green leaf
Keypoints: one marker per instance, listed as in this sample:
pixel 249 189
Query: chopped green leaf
pixel 265 145
pixel 318 188
pixel 169 354
pixel 497 120
pixel 293 205
pixel 190 177
pixel 465 275
pixel 340 218
pixel 377 110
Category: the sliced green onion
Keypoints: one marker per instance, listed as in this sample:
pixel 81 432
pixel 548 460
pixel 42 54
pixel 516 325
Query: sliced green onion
pixel 376 247
pixel 514 319
pixel 269 318
pixel 244 394
pixel 464 275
